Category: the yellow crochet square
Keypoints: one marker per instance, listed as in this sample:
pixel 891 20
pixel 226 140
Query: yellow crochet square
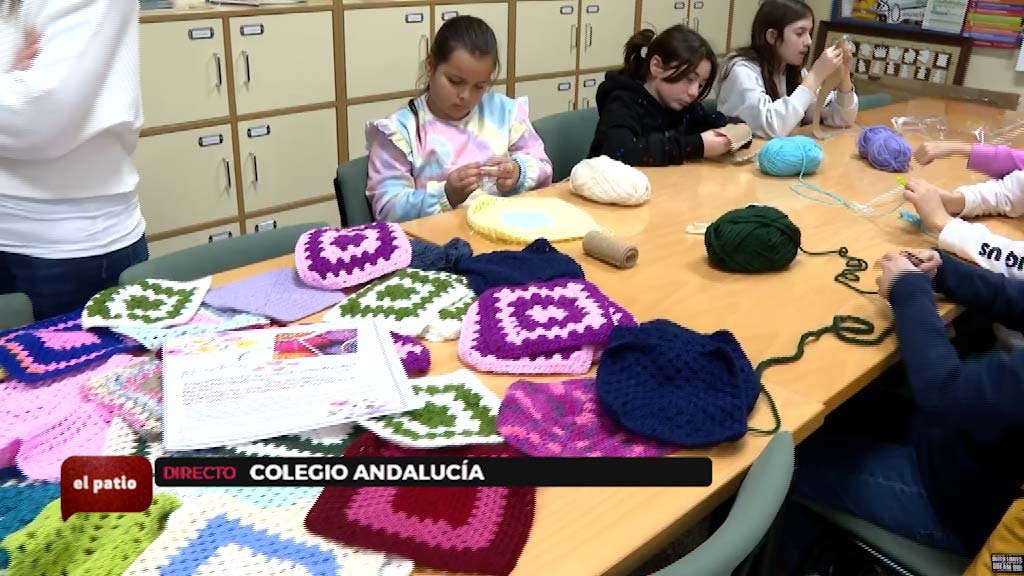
pixel 524 219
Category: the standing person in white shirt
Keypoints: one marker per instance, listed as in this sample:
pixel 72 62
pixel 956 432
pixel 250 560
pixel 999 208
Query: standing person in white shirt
pixel 766 85
pixel 70 115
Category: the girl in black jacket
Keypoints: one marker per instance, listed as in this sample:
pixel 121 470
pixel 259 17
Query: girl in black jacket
pixel 650 110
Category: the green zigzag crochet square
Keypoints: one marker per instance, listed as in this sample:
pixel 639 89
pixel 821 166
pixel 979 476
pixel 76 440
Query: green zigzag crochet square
pixel 138 306
pixel 439 416
pixel 393 289
pixel 458 310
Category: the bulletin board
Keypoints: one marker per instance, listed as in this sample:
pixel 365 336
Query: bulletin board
pixel 916 56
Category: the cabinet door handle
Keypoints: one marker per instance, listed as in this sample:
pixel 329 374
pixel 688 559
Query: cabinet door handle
pixel 248 69
pixel 220 75
pixel 590 35
pixel 586 102
pixel 255 167
pixel 227 171
pixel 572 38
pixel 696 24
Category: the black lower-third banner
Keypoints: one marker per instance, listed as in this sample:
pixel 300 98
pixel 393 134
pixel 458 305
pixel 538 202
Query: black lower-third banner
pixel 487 471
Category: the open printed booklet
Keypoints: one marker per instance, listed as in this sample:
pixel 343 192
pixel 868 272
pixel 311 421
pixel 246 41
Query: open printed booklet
pixel 235 387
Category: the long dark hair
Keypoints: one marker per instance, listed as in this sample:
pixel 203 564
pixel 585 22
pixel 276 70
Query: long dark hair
pixel 680 49
pixel 466 32
pixel 773 15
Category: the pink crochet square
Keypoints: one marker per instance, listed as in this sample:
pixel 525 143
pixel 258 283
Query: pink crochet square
pixel 335 258
pixel 41 426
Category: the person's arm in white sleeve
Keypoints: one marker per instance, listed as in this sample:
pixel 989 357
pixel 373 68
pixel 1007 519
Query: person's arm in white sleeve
pixel 44 110
pixel 1002 197
pixel 743 95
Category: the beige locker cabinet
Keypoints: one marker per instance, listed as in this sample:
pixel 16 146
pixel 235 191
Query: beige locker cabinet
pixel 287 158
pixel 549 96
pixel 658 15
pixel 588 83
pixel 607 25
pixel 184 73
pixel 322 212
pixel 385 49
pixel 496 16
pixel 176 243
pixel 282 60
pixel 546 36
pixel 742 22
pixel 360 114
pixel 186 178
pixel 711 19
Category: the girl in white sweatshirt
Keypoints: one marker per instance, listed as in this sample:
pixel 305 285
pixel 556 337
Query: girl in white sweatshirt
pixel 765 83
pixel 943 211
pixel 69 121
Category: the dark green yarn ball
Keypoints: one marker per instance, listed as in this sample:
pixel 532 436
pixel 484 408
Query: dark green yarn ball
pixel 752 239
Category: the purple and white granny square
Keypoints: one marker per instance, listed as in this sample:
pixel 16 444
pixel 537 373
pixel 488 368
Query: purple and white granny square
pixel 335 258
pixel 532 319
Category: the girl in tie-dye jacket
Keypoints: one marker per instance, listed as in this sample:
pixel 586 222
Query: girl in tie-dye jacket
pixel 440 150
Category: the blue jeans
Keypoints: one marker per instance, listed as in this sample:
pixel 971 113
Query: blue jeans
pixel 59 286
pixel 873 480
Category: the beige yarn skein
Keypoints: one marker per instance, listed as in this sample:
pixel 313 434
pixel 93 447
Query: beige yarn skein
pixel 609 181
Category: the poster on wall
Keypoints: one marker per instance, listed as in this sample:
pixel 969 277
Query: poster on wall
pixel 944 16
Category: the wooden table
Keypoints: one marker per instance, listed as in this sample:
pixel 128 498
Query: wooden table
pixel 766 312
pixel 611 530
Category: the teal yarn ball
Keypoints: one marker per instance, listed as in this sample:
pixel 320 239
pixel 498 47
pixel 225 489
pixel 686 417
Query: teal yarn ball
pixel 751 240
pixel 790 156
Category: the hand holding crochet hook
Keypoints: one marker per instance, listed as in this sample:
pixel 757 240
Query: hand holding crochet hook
pixel 894 264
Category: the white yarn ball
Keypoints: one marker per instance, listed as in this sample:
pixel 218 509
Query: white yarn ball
pixel 609 181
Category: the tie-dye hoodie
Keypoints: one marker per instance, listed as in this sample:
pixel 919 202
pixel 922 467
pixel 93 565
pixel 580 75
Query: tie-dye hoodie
pixel 407 174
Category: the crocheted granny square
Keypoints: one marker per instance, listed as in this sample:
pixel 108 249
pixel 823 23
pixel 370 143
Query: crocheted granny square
pixel 56 347
pixel 207 320
pixel 134 393
pixel 667 382
pixel 523 219
pixel 88 543
pixel 415 357
pixel 532 319
pixel 20 502
pixel 404 302
pixel 481 530
pixel 565 419
pixel 335 258
pixel 448 324
pixel 474 352
pixel 218 534
pixel 146 303
pixel 457 409
pixel 277 294
pixel 41 426
pixel 330 441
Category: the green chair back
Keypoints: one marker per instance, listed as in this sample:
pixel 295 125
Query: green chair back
pixel 211 258
pixel 753 511
pixel 350 191
pixel 567 137
pixel 15 310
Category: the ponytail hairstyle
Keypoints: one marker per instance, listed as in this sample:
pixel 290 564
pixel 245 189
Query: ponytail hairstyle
pixel 680 50
pixel 773 15
pixel 466 32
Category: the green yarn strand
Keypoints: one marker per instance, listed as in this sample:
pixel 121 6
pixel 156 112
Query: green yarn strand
pixel 775 414
pixel 850 273
pixel 847 329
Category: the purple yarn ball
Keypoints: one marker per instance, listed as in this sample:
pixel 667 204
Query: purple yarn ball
pixel 884 149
